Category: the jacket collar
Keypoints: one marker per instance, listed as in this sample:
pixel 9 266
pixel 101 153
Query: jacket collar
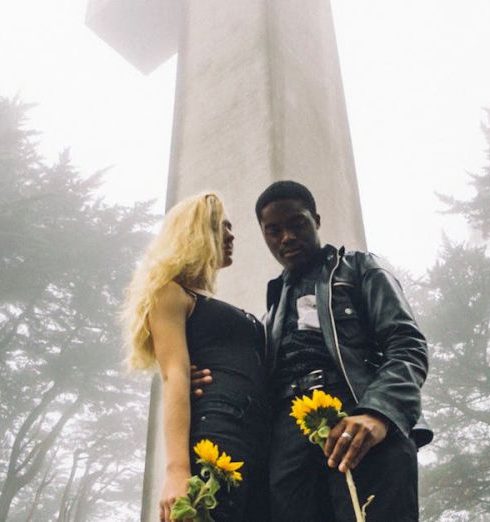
pixel 328 257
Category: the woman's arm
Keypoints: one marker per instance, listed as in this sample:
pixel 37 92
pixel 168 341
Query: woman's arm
pixel 167 324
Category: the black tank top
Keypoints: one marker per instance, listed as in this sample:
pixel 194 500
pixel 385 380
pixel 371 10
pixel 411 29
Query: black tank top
pixel 230 342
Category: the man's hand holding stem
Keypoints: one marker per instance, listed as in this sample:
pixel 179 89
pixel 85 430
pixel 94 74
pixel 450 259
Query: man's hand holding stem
pixel 350 440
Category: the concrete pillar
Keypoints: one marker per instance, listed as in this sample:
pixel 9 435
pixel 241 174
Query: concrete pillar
pixel 259 98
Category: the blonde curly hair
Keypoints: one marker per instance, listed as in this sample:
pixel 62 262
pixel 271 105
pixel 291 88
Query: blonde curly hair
pixel 188 250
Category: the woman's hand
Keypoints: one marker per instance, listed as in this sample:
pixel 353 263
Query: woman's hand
pixel 174 486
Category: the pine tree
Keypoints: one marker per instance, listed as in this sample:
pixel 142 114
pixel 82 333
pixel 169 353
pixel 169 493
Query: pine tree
pixel 476 210
pixel 454 304
pixel 70 418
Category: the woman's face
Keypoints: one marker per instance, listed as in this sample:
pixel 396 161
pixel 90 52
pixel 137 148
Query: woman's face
pixel 228 238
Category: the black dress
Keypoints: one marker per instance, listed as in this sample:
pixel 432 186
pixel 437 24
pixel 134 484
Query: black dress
pixel 233 411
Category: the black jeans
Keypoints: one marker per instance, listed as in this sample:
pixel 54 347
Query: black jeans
pixel 240 426
pixel 304 489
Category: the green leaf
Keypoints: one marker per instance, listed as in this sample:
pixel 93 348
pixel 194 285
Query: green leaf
pixel 206 471
pixel 182 509
pixel 323 432
pixel 195 485
pixel 209 501
pixel 213 484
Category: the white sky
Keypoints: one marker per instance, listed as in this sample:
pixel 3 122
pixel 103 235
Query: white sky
pixel 416 78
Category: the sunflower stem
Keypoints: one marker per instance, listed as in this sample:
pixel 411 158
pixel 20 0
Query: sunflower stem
pixel 360 516
pixel 202 492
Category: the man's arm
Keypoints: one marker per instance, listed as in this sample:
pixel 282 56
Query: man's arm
pixel 394 392
pixel 392 401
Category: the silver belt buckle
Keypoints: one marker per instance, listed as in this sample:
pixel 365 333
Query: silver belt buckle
pixel 318 376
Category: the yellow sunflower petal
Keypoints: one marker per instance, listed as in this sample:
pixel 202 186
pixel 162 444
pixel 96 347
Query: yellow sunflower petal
pixel 304 428
pixel 300 408
pixel 320 399
pixel 225 464
pixel 236 475
pixel 207 451
pixel 308 402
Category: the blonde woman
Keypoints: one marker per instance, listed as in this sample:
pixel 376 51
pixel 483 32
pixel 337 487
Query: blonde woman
pixel 175 322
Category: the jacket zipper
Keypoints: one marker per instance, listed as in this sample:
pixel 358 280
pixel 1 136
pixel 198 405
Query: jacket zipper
pixel 334 330
pixel 266 338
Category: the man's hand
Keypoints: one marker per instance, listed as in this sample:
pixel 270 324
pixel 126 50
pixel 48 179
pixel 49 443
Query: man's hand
pixel 352 438
pixel 199 378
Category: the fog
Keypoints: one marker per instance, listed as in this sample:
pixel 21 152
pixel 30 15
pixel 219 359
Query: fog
pixel 417 86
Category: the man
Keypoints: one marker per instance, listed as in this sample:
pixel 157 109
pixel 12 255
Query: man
pixel 338 321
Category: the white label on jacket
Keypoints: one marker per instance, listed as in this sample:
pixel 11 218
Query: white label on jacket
pixel 307 313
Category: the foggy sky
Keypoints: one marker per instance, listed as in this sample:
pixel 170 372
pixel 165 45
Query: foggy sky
pixel 415 78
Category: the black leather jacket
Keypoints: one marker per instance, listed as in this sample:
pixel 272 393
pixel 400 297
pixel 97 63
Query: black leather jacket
pixel 371 334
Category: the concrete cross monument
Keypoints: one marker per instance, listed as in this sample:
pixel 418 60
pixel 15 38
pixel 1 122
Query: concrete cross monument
pixel 258 98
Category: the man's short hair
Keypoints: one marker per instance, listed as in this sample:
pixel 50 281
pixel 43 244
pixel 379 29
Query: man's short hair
pixel 285 190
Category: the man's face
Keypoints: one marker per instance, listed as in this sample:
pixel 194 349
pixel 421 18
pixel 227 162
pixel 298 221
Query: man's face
pixel 291 232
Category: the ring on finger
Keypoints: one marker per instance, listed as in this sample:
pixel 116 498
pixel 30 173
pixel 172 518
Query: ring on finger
pixel 346 435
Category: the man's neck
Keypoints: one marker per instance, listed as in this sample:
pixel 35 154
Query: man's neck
pixel 315 259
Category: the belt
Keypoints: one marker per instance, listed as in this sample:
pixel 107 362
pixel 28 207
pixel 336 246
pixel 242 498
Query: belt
pixel 313 380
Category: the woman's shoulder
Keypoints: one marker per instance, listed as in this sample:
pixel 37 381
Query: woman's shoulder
pixel 171 289
pixel 173 295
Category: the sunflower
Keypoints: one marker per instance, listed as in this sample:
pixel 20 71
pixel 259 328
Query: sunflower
pixel 320 411
pixel 228 467
pixel 207 451
pixel 200 498
pixel 221 465
pixel 316 415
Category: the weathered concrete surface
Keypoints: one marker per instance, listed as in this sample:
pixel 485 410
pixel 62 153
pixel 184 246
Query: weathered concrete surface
pixel 145 32
pixel 259 98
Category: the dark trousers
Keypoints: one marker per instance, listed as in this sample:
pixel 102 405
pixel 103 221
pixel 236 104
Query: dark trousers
pixel 304 489
pixel 240 427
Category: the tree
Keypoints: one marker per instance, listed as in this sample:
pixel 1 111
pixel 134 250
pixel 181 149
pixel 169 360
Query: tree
pixel 476 210
pixel 454 306
pixel 70 417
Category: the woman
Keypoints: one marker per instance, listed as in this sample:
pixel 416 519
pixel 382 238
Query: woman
pixel 174 322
